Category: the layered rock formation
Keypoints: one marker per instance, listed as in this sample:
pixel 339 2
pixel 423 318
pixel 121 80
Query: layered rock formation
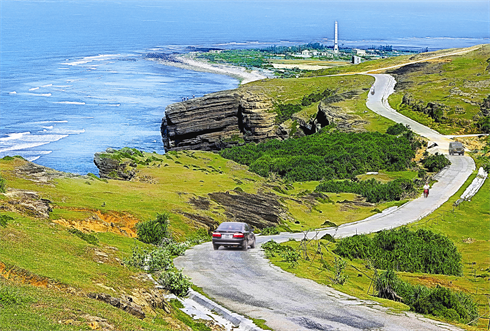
pixel 218 120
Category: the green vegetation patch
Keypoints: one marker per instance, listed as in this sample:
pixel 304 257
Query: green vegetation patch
pixel 88 237
pixel 153 231
pixel 324 155
pixel 405 250
pixel 438 301
pixel 286 111
pixel 3 184
pixel 371 189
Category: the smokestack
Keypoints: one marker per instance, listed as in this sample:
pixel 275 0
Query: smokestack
pixel 336 39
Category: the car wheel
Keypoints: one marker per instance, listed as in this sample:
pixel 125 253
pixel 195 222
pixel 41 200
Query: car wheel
pixel 215 246
pixel 253 244
pixel 245 246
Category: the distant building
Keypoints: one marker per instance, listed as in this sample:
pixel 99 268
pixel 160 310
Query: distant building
pixel 356 59
pixel 217 51
pixel 360 52
pixel 306 53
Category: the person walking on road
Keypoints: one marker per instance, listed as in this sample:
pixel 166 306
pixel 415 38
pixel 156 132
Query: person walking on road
pixel 426 189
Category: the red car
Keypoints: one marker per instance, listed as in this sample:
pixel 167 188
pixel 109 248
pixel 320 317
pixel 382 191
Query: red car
pixel 235 234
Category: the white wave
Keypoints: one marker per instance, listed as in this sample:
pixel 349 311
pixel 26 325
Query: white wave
pixel 34 88
pixel 49 127
pixel 14 136
pixel 70 103
pixel 35 157
pixel 89 59
pixel 13 92
pixel 31 141
pixel 66 131
pixel 48 85
pixel 40 94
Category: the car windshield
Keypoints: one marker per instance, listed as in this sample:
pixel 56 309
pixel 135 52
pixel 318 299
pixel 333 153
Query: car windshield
pixel 230 227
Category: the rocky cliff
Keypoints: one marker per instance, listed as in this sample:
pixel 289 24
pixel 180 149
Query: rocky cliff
pixel 218 120
pixel 228 118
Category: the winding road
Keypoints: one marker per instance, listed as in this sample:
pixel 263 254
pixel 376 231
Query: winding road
pixel 248 284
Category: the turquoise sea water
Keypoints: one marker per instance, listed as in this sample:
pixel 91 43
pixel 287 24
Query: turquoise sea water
pixel 73 80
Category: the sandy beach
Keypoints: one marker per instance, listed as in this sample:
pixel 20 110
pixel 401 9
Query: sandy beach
pixel 190 63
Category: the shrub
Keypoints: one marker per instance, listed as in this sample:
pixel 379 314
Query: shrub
pixel 291 257
pixel 4 219
pixel 173 247
pixel 3 184
pixel 153 231
pixel 88 237
pixel 371 189
pixel 438 301
pixel 10 296
pixel 436 162
pixel 405 250
pixel 270 231
pixel 325 155
pixel 175 282
pixel 340 276
pixel 396 129
pixel 150 259
pixel 484 124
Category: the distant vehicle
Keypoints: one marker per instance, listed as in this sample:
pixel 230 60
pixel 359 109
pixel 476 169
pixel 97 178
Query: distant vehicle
pixel 237 234
pixel 456 147
pixel 373 91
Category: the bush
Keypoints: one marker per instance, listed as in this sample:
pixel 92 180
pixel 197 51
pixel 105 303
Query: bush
pixel 270 231
pixel 436 162
pixel 484 124
pixel 290 256
pixel 405 250
pixel 88 237
pixel 325 155
pixel 153 231
pixel 173 247
pixel 150 259
pixel 438 301
pixel 175 282
pixel 396 129
pixel 3 184
pixel 340 276
pixel 371 189
pixel 4 219
pixel 10 296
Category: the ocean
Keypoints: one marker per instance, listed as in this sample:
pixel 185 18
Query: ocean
pixel 74 81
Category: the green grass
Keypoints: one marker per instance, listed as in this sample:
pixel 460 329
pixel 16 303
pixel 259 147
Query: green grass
pixel 439 81
pixel 292 90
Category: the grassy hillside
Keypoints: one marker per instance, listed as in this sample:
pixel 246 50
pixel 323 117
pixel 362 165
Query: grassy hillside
pixel 50 271
pixel 456 85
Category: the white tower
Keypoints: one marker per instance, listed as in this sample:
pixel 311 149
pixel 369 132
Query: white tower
pixel 336 39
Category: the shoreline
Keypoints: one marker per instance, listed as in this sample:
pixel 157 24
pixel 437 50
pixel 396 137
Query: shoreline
pixel 188 62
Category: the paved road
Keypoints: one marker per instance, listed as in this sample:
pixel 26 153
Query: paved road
pixel 246 283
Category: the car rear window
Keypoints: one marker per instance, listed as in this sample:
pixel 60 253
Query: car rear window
pixel 230 227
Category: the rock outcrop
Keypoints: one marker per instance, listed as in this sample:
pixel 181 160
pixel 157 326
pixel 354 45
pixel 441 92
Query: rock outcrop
pixel 126 305
pixel 218 120
pixel 259 210
pixel 112 168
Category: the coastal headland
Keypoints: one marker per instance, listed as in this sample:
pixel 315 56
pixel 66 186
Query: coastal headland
pixel 73 257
